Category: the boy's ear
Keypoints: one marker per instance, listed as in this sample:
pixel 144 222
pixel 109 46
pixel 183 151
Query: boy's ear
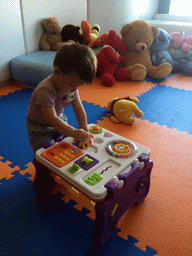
pixel 56 71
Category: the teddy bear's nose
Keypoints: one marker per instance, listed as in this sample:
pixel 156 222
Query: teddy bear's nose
pixel 143 47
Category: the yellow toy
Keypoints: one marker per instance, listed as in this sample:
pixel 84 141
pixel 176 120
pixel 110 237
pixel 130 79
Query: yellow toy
pixel 122 109
pixel 95 30
pixel 86 145
pixel 91 35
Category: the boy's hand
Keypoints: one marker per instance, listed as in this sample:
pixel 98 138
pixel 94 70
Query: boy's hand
pixel 81 135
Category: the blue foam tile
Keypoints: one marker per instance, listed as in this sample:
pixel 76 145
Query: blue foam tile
pixel 94 113
pixel 156 81
pixel 14 192
pixel 118 246
pixel 14 144
pixel 168 106
pixel 56 228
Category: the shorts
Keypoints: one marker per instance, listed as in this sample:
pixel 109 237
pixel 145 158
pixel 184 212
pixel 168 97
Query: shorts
pixel 39 133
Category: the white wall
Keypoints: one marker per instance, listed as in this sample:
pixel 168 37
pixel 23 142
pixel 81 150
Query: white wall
pixel 18 16
pixel 113 14
pixel 11 39
pixel 66 11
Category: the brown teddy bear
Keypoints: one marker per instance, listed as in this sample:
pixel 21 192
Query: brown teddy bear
pixel 138 36
pixel 51 39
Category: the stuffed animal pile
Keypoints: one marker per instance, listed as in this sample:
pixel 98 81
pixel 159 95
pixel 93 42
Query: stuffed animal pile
pixel 54 37
pixel 143 50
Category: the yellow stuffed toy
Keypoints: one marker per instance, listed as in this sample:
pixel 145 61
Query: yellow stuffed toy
pixel 95 30
pixel 122 109
pixel 91 35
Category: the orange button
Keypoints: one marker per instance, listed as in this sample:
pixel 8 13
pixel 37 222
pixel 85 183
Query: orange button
pixel 95 128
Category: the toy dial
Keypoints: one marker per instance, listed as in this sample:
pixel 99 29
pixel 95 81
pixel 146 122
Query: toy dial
pixel 121 149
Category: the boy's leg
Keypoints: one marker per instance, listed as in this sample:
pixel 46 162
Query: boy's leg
pixel 44 183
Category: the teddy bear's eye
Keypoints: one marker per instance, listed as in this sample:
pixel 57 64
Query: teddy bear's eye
pixel 137 41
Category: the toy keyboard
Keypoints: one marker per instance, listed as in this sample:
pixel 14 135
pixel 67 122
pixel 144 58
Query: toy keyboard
pixel 90 169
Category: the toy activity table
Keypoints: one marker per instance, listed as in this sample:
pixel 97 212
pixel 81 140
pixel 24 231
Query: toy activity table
pixel 112 171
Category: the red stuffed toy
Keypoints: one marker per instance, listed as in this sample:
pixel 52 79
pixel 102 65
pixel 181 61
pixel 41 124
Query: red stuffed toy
pixel 109 58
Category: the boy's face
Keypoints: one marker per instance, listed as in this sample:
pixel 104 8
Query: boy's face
pixel 67 82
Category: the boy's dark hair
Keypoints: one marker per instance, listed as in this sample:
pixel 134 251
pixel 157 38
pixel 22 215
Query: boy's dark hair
pixel 78 58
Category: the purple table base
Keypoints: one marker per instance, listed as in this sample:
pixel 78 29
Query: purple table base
pixel 135 189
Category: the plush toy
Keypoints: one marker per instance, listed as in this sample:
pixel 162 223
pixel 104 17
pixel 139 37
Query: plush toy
pixel 51 38
pixel 160 50
pixel 184 59
pixel 90 38
pixel 109 58
pixel 70 32
pixel 95 30
pixel 160 53
pixel 181 41
pixel 122 109
pixel 138 36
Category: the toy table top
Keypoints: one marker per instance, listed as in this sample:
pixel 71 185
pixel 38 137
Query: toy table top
pixel 90 169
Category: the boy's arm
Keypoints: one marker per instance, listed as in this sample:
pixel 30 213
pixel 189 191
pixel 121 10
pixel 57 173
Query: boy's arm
pixel 80 114
pixel 58 124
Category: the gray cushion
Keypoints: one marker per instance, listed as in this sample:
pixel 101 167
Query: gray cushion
pixel 33 67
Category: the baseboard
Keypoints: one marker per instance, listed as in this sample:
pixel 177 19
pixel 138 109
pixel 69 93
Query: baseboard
pixel 5 82
pixel 22 84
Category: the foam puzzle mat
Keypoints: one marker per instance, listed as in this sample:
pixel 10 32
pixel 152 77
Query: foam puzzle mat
pixel 161 225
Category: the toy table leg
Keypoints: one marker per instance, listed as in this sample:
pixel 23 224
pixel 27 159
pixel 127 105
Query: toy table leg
pixel 135 189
